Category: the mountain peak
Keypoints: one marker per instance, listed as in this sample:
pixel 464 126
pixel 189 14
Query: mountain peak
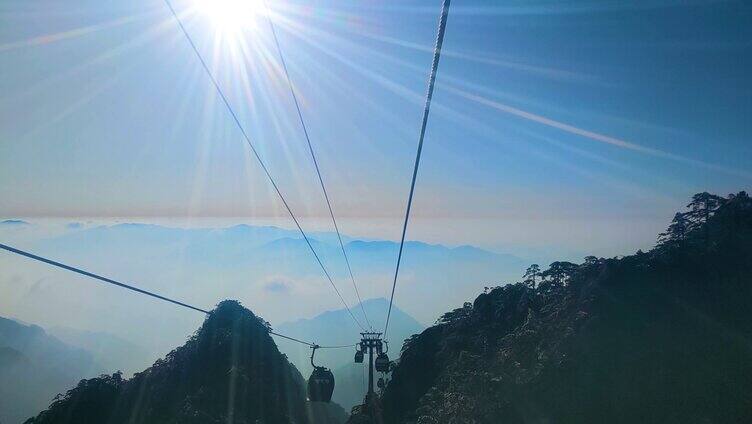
pixel 373 301
pixel 229 371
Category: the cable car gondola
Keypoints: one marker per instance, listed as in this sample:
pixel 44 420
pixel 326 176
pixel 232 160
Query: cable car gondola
pixel 320 383
pixel 359 354
pixel 382 361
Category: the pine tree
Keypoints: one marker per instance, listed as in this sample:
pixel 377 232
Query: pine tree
pixel 591 260
pixel 559 272
pixel 702 207
pixel 676 232
pixel 530 274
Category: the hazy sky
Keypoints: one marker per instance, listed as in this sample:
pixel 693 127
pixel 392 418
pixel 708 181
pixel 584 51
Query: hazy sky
pixel 558 129
pixel 578 125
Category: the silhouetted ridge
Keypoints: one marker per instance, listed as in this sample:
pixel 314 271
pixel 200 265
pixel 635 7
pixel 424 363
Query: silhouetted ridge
pixel 662 336
pixel 229 371
pixel 13 222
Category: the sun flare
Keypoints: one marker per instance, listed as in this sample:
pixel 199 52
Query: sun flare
pixel 231 16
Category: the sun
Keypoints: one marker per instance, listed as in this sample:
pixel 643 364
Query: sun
pixel 231 16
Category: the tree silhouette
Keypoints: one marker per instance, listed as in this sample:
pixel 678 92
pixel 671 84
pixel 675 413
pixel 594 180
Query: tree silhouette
pixel 530 274
pixel 456 314
pixel 676 232
pixel 702 207
pixel 559 272
pixel 591 260
pixel 739 202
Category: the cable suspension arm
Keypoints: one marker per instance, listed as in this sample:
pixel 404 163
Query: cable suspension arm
pixel 258 156
pixel 313 157
pixel 429 95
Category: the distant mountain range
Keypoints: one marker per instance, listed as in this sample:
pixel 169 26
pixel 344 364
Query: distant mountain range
pixel 34 367
pixel 13 222
pixel 110 352
pixel 320 327
pixel 336 328
pixel 37 364
pixel 234 245
pixel 242 260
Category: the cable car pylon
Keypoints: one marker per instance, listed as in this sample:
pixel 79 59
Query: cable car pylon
pixel 371 343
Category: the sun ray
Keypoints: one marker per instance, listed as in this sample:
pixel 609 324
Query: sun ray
pixel 594 135
pixel 150 35
pixel 231 19
pixel 41 40
pixel 448 113
pixel 74 107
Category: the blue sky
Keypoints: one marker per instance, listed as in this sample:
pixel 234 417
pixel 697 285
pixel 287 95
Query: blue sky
pixel 577 125
pixel 558 130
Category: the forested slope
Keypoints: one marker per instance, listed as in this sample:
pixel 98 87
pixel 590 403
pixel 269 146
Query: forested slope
pixel 662 336
pixel 229 371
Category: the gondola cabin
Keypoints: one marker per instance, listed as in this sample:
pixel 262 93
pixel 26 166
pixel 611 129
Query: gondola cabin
pixel 320 385
pixel 382 363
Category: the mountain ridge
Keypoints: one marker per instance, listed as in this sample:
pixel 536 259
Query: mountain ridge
pixel 247 263
pixel 659 336
pixel 45 364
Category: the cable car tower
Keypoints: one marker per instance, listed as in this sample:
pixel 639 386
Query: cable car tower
pixel 371 342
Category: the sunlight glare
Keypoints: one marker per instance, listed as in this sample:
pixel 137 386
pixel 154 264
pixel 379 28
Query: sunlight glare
pixel 231 16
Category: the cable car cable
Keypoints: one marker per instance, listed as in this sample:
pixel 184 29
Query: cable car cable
pixel 312 344
pixel 338 346
pixel 99 277
pixel 292 338
pixel 141 291
pixel 258 156
pixel 429 95
pixel 313 157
